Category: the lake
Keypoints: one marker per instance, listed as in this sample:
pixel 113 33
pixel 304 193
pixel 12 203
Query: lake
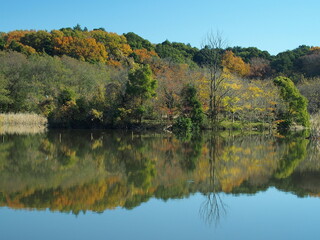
pixel 122 185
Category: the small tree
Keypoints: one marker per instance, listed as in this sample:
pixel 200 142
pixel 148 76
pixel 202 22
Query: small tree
pixel 191 106
pixel 296 110
pixel 192 113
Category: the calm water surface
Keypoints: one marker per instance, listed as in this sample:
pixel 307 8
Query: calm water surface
pixel 116 185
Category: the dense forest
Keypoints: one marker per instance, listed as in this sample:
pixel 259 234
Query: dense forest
pixel 87 79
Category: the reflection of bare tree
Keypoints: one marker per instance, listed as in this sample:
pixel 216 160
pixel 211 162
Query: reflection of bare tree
pixel 213 207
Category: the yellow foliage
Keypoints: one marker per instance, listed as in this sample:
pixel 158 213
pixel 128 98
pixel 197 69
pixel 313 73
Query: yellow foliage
pixel 235 65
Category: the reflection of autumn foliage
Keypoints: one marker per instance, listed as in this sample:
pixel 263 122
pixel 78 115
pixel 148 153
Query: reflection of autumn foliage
pixel 239 164
pixel 96 172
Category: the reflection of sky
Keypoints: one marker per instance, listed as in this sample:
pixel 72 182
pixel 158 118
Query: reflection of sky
pixel 267 215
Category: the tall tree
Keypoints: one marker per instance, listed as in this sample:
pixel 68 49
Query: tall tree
pixel 139 88
pixel 211 56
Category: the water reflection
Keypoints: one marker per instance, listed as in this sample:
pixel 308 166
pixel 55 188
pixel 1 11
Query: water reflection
pixel 82 170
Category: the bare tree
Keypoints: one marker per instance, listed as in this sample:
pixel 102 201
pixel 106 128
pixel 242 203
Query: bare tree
pixel 212 51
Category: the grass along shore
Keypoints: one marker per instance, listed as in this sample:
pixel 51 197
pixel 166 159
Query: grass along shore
pixel 22 123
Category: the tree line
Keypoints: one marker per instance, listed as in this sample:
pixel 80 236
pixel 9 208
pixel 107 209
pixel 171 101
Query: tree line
pixel 82 78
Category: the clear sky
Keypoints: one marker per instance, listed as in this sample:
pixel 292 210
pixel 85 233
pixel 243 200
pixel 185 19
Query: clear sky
pixel 272 25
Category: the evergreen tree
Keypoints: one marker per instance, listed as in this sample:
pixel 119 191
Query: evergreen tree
pixel 296 104
pixel 139 88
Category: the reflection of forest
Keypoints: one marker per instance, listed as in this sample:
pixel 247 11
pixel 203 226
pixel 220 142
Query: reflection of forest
pixel 79 170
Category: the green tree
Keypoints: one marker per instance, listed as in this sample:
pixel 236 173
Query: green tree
pixel 2 41
pixel 4 94
pixel 191 106
pixel 41 41
pixel 137 42
pixel 249 53
pixel 296 104
pixel 139 88
pixel 176 52
pixel 288 62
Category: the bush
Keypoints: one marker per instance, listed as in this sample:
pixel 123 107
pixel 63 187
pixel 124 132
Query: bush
pixel 183 124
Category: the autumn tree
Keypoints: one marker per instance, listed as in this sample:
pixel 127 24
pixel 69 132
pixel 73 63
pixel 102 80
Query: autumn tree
pixel 234 65
pixel 116 46
pixel 171 78
pixel 311 90
pixel 86 49
pixel 143 56
pixel 260 68
pixel 310 63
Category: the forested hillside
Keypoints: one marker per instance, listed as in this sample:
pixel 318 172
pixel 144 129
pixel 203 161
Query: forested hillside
pixel 82 78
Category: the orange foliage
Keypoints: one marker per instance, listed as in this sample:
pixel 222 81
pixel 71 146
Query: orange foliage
pixel 234 64
pixel 144 56
pixel 86 49
pixel 15 35
pixel 315 49
pixel 171 80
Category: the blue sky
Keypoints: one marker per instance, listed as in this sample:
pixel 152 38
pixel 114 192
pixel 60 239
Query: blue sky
pixel 274 25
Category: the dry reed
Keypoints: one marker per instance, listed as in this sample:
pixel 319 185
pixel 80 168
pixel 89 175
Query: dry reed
pixel 315 125
pixel 22 119
pixel 22 123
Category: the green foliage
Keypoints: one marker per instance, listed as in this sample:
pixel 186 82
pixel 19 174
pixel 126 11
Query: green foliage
pixel 137 42
pixel 294 155
pixel 191 106
pixel 141 84
pixel 73 171
pixel 208 57
pixel 296 104
pixel 192 114
pixel 248 53
pixel 139 88
pixel 41 41
pixel 182 125
pixel 4 94
pixel 32 81
pixel 2 41
pixel 176 52
pixel 288 62
pixel 15 46
pixel 16 82
pixel 192 151
pixel 66 95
